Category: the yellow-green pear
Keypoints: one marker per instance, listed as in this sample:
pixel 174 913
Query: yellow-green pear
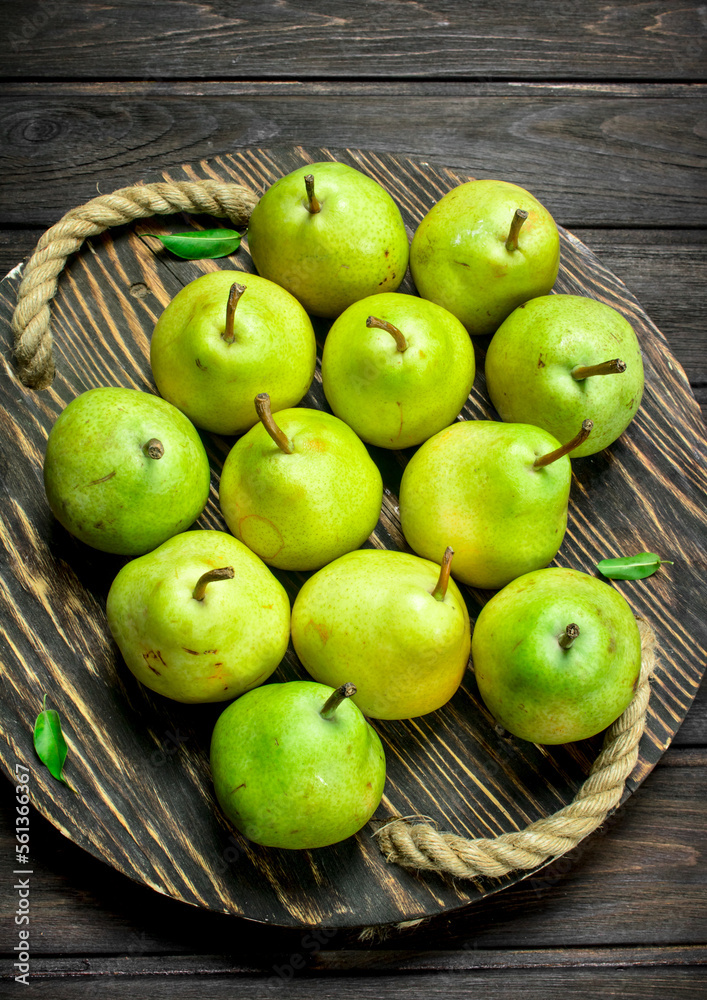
pixel 302 490
pixel 296 765
pixel 484 248
pixel 330 235
pixel 497 493
pixel 557 656
pixel 200 619
pixel 125 470
pixel 393 623
pixel 558 359
pixel 397 369
pixel 221 338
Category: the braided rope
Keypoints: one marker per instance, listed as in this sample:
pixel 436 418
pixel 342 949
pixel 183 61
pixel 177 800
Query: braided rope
pixel 420 846
pixel 31 319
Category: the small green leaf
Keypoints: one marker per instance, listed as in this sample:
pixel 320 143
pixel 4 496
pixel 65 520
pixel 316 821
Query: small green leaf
pixel 49 741
pixel 199 244
pixel 636 567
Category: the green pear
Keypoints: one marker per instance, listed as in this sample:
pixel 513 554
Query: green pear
pixel 560 358
pixel 221 338
pixel 125 470
pixel 302 491
pixel 330 235
pixel 497 493
pixel 200 619
pixel 393 623
pixel 557 655
pixel 296 765
pixel 484 248
pixel 397 369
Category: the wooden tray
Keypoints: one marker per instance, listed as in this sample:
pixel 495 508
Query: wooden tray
pixel 139 763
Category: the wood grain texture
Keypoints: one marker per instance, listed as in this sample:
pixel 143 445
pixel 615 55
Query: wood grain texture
pixel 383 963
pixel 55 592
pixel 567 39
pixel 694 728
pixel 622 157
pixel 633 983
pixel 641 878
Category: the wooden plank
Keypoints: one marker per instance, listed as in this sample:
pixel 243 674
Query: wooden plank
pixel 532 984
pixel 15 246
pixel 641 879
pixel 376 87
pixel 685 757
pixel 189 39
pixel 595 159
pixel 383 961
pixel 409 960
pixel 694 728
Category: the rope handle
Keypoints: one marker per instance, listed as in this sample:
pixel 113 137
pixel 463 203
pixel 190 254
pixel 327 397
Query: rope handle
pixel 31 319
pixel 421 846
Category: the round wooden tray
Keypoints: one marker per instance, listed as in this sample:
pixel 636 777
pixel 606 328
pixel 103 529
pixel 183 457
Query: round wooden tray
pixel 139 763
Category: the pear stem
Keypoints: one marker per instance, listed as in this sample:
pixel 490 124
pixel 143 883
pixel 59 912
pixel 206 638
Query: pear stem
pixel 313 205
pixel 262 406
pixel 565 449
pixel 383 324
pixel 568 636
pixel 614 367
pixel 233 297
pixel 335 699
pixel 440 591
pixel 154 448
pixel 516 222
pixel 224 573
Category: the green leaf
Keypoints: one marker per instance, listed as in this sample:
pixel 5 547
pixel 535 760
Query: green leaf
pixel 199 244
pixel 636 567
pixel 49 741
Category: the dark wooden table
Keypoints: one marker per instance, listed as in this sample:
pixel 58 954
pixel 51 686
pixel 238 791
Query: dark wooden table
pixel 596 108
